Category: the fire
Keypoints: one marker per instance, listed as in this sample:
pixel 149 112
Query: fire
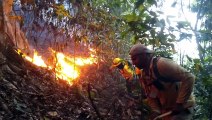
pixel 65 68
pixel 82 61
pixel 37 60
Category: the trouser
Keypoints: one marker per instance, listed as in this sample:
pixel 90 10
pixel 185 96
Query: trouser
pixel 187 114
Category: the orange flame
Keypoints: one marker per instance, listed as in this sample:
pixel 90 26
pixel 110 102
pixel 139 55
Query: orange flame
pixel 66 68
pixel 83 61
pixel 37 60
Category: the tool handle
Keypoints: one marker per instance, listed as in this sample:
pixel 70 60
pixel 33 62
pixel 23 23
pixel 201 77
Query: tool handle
pixel 163 115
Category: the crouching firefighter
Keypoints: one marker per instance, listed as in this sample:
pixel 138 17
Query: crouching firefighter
pixel 168 86
pixel 128 72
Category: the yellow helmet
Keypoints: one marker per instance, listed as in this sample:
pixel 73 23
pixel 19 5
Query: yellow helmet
pixel 117 61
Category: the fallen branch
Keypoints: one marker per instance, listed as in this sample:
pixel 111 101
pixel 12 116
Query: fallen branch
pixel 92 102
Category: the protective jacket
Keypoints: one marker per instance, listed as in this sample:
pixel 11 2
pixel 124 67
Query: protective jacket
pixel 127 72
pixel 177 86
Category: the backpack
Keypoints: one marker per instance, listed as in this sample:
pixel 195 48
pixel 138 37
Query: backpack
pixel 157 82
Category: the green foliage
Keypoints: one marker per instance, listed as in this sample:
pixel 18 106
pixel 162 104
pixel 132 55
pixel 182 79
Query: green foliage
pixel 131 17
pixel 139 3
pixel 148 29
pixel 203 89
pixel 203 66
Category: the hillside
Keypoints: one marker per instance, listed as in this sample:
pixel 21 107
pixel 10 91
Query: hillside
pixel 29 92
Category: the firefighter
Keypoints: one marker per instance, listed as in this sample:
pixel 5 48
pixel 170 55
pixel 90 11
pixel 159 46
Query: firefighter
pixel 127 71
pixel 168 86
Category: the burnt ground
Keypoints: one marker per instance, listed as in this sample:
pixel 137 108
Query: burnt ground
pixel 28 92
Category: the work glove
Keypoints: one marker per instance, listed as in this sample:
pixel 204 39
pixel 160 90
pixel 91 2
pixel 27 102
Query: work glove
pixel 177 109
pixel 154 115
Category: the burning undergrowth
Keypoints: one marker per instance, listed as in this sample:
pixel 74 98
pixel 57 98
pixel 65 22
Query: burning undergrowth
pixel 65 67
pixel 28 91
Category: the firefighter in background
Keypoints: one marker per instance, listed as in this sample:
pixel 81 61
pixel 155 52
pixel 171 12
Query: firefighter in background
pixel 130 73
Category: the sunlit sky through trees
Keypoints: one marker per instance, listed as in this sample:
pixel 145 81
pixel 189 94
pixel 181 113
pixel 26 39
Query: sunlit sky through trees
pixel 186 47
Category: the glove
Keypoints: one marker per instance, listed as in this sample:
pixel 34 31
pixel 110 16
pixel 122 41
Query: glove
pixel 177 109
pixel 154 115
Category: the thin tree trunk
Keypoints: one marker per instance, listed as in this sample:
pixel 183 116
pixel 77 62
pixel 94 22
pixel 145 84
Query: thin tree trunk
pixel 1 17
pixel 196 34
pixel 11 25
pixel 2 37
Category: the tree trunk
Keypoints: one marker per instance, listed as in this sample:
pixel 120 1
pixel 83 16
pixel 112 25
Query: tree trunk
pixel 1 18
pixel 11 25
pixel 1 24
